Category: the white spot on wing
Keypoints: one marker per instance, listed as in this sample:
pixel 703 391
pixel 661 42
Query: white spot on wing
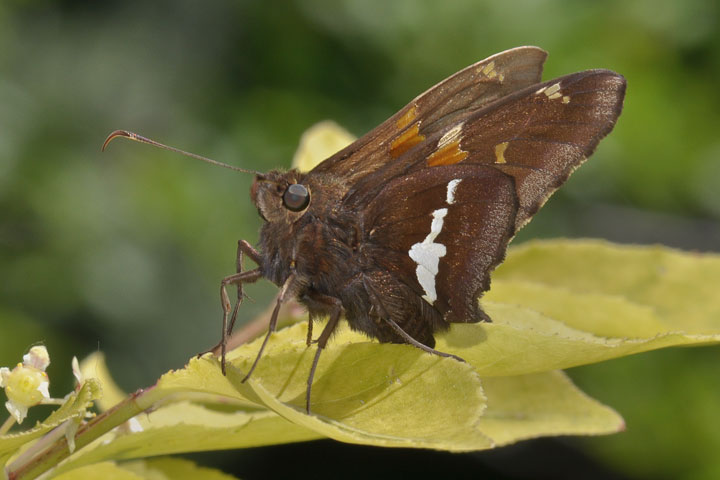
pixel 427 255
pixel 553 92
pixel 452 186
pixel 552 89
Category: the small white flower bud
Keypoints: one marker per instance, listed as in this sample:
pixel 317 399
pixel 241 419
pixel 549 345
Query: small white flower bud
pixel 27 384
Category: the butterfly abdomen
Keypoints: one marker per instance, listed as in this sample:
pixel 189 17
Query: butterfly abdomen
pixel 375 296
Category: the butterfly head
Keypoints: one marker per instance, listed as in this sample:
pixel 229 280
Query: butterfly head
pixel 280 196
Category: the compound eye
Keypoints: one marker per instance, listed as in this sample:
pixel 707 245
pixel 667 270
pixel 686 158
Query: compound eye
pixel 296 197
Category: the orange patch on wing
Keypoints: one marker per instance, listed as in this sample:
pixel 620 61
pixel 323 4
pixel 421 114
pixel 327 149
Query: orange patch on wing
pixel 405 141
pixel 500 152
pixel 449 154
pixel 407 117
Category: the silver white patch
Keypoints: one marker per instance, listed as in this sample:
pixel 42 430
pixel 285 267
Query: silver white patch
pixel 427 255
pixel 452 186
pixel 552 90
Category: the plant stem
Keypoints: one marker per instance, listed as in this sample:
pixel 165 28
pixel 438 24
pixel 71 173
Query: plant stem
pixel 98 426
pixel 7 425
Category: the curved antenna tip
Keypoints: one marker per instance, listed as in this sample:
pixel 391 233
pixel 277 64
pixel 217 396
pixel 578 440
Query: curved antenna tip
pixel 141 139
pixel 115 134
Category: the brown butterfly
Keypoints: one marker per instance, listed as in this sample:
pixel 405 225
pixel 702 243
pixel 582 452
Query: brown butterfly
pixel 398 233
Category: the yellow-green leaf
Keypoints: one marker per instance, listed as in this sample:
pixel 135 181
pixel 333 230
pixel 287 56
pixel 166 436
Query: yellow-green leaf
pixel 389 395
pixel 521 341
pixel 104 470
pixel 203 411
pixel 542 404
pixel 681 287
pixel 186 427
pixel 174 469
pixel 519 407
pixel 320 142
pixel 94 366
pixel 557 304
pixel 600 314
pixel 154 469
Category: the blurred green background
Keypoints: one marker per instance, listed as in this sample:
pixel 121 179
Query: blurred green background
pixel 123 251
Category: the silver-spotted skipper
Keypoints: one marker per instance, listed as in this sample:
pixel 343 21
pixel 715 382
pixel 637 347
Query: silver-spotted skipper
pixel 399 232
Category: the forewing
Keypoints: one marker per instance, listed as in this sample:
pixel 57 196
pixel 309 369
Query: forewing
pixel 441 106
pixel 538 136
pixel 441 231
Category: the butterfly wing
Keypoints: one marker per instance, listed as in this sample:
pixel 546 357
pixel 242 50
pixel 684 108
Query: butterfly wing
pixel 507 158
pixel 538 135
pixel 441 106
pixel 447 229
pixel 541 136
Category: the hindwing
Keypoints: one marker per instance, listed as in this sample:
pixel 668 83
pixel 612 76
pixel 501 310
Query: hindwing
pixel 441 231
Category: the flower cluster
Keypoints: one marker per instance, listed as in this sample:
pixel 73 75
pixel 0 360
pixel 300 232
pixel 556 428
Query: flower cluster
pixel 27 384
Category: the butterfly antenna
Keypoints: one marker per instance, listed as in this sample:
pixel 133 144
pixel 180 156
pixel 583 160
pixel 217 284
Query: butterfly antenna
pixel 141 139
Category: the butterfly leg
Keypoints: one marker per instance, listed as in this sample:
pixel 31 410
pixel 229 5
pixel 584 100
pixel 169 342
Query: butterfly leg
pixel 246 248
pixel 282 296
pixel 417 344
pixel 387 318
pixel 308 339
pixel 335 306
pixel 248 276
pixel 237 279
